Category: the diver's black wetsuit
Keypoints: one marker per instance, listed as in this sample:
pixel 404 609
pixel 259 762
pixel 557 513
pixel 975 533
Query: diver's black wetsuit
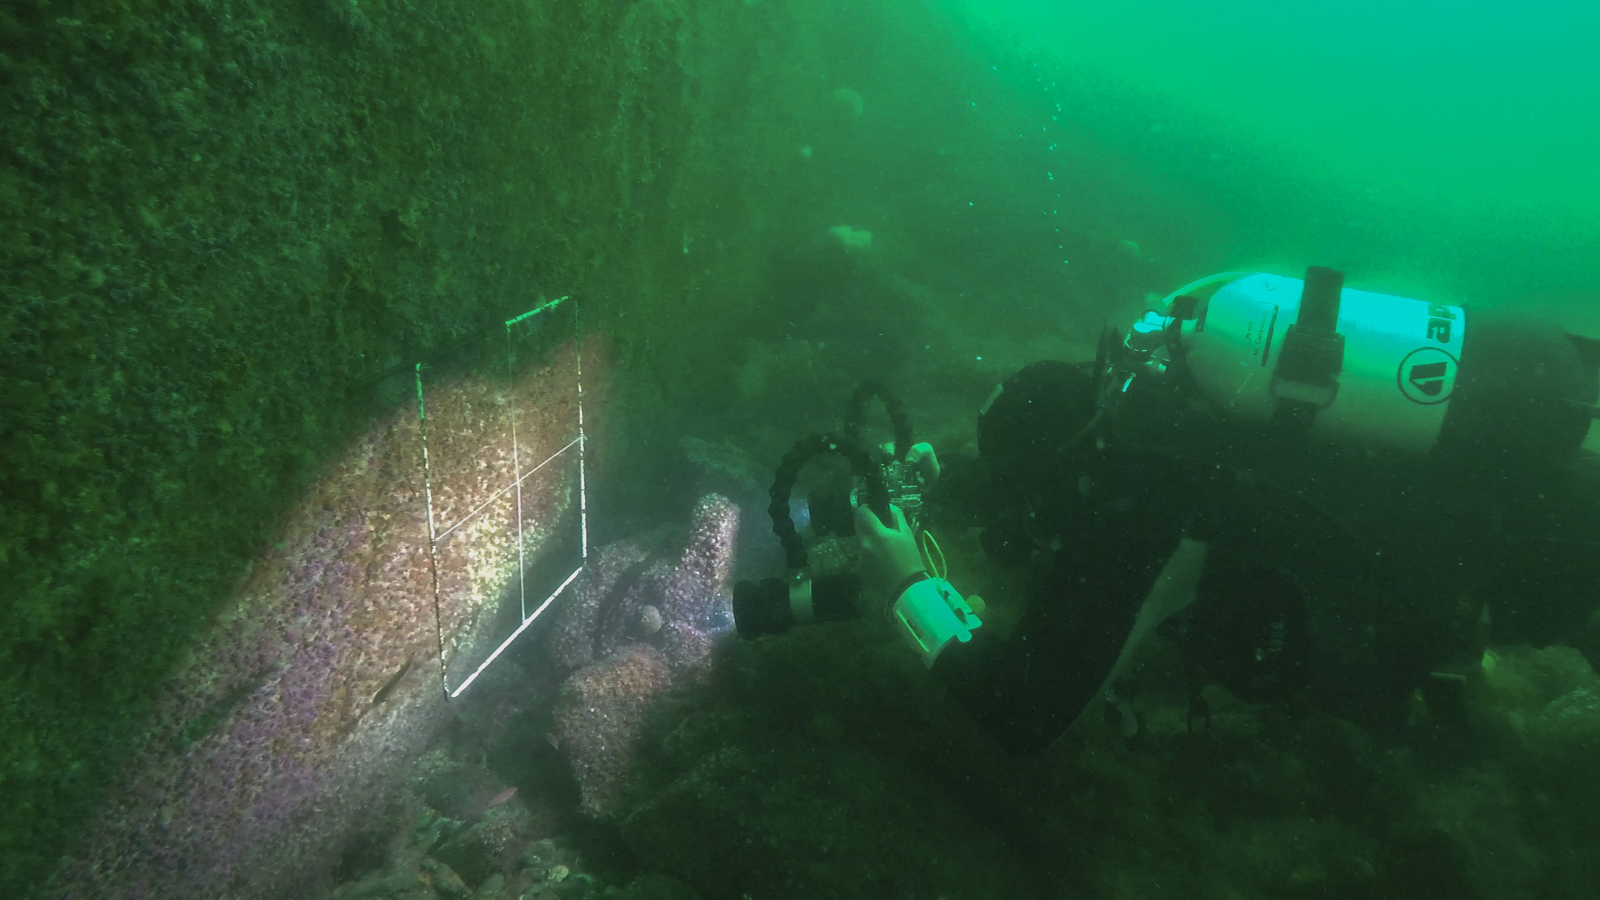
pixel 1294 605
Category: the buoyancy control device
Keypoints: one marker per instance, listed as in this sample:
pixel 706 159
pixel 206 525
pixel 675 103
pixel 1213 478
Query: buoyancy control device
pixel 1367 369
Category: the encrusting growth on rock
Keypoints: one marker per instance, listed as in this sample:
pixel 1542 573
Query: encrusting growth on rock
pixel 638 620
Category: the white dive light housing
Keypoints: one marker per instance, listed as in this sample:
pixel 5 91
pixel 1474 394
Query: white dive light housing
pixel 930 614
pixel 1366 369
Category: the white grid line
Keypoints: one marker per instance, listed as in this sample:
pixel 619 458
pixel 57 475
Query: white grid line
pixel 516 466
pixel 520 628
pixel 502 492
pixel 583 445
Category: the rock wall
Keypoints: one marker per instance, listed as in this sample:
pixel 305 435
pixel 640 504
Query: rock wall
pixel 222 220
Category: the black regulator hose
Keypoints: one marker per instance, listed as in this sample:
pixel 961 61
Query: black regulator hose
pixel 897 416
pixel 861 464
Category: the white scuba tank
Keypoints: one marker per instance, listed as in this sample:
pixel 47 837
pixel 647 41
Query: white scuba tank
pixel 1399 365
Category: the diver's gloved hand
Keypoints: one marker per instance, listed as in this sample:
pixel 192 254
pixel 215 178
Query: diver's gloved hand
pixel 925 462
pixel 889 556
pixel 928 613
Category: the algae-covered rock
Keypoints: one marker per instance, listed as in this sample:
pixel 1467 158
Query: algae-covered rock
pixel 658 887
pixel 812 767
pixel 488 847
pixel 804 825
pixel 445 880
pixel 492 888
pixel 1543 701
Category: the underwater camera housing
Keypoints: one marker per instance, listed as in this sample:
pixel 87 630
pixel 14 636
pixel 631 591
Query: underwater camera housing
pixel 879 478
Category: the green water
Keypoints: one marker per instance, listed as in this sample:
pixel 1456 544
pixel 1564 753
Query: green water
pixel 1454 140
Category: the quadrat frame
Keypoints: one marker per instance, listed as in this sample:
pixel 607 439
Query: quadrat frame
pixel 439 533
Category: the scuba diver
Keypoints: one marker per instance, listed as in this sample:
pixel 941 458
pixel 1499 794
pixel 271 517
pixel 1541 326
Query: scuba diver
pixel 1327 497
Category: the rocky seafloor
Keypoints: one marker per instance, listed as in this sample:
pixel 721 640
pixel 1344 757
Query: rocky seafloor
pixel 825 763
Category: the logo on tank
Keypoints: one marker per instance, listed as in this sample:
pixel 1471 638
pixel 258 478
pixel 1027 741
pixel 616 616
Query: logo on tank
pixel 1427 375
